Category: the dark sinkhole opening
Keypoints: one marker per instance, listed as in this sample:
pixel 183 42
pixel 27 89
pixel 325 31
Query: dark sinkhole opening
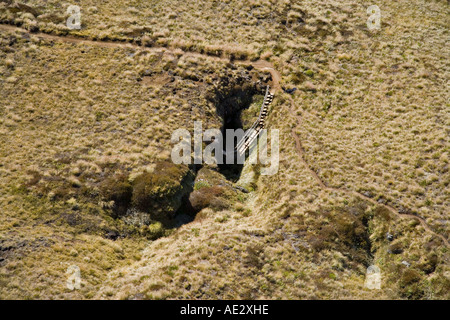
pixel 230 106
pixel 232 101
pixel 169 195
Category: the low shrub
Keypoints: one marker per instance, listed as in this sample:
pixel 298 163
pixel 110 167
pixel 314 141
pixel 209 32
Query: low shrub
pixel 160 192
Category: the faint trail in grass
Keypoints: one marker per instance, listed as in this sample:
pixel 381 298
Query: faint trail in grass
pixel 323 185
pixel 261 65
pixel 276 77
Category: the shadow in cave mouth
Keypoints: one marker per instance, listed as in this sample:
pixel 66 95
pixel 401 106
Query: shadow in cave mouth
pixel 229 108
pixel 229 102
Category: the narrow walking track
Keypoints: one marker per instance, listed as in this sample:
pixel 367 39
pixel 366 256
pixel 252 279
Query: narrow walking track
pixel 261 65
pixel 300 151
pixel 323 185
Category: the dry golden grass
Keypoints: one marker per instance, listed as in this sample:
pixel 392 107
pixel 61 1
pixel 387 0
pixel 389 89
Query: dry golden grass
pixel 371 113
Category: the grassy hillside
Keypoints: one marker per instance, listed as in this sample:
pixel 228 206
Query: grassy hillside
pixel 86 118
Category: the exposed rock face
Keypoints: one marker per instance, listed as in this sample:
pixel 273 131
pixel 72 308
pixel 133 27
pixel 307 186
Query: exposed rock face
pixel 233 94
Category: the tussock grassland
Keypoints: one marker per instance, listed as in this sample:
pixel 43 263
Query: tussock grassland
pixel 371 113
pixel 78 124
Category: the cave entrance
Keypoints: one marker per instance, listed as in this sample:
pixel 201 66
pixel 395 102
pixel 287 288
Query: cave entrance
pixel 230 108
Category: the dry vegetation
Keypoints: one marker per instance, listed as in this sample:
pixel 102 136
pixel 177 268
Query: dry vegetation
pixel 85 132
